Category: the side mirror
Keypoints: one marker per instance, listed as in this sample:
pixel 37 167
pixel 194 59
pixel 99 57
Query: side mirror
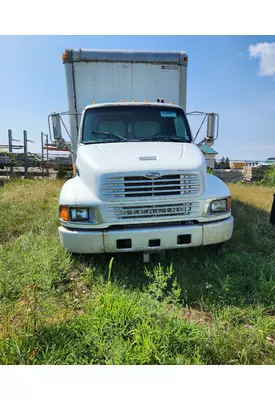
pixel 209 142
pixel 61 143
pixel 57 133
pixel 211 125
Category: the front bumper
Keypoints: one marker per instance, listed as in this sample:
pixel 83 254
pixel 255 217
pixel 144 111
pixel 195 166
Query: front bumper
pixel 145 239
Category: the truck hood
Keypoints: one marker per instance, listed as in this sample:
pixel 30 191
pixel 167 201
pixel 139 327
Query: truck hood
pixel 138 156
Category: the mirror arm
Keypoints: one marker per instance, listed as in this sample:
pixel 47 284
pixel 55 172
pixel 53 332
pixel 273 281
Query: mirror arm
pixel 212 133
pixel 200 127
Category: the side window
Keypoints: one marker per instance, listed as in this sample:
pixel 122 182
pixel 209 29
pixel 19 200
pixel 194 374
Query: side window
pixel 180 127
pixel 88 126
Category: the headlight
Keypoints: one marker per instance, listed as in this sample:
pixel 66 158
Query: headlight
pixel 219 206
pixel 79 214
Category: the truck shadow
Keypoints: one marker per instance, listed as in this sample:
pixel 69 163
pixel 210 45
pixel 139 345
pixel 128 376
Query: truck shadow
pixel 241 273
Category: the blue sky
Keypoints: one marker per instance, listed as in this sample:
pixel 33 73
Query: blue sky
pixel 225 75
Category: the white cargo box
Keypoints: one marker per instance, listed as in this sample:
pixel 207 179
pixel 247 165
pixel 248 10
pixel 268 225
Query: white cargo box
pixel 104 76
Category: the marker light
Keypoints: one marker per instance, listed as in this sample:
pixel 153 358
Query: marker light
pixel 229 203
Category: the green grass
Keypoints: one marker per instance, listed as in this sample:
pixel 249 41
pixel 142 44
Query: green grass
pixel 196 308
pixel 269 177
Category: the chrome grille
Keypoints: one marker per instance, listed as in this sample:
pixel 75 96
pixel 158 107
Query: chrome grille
pixel 156 211
pixel 141 186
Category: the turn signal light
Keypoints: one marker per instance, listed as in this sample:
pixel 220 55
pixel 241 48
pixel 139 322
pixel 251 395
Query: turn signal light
pixel 64 213
pixel 229 203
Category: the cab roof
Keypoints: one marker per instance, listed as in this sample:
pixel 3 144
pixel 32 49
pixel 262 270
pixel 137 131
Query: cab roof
pixel 130 103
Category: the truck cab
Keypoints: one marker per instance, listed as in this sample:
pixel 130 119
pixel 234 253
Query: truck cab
pixel 140 182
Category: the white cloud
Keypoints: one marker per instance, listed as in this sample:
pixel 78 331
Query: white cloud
pixel 266 53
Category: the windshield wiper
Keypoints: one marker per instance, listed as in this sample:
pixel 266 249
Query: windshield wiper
pixel 163 138
pixel 109 134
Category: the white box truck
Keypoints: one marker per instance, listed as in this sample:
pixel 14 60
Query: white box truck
pixel 140 183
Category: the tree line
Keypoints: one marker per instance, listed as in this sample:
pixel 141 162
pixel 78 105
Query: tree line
pixel 223 164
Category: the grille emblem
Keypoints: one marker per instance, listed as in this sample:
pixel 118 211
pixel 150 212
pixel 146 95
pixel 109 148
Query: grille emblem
pixel 152 175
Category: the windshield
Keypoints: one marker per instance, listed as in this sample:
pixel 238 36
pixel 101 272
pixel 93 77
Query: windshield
pixel 135 123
